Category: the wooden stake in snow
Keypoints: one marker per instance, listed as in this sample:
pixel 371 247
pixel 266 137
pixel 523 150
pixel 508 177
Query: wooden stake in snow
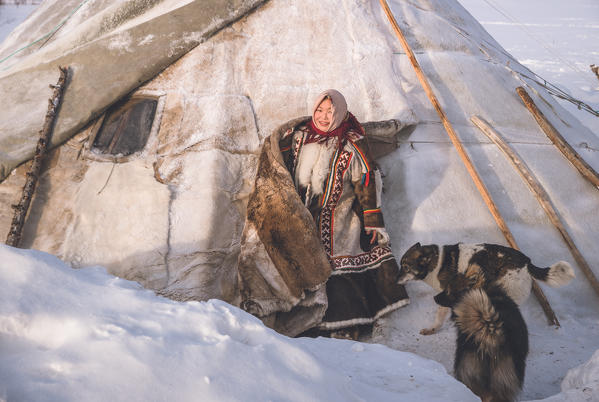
pixel 595 69
pixel 584 168
pixel 540 194
pixel 465 158
pixel 21 209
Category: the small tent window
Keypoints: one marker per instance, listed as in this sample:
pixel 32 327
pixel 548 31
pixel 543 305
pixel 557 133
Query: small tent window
pixel 126 127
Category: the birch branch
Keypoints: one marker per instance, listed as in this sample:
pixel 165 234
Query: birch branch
pixel 21 209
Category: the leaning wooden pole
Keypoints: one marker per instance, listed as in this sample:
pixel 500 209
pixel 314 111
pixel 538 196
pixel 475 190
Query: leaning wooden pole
pixel 465 158
pixel 584 168
pixel 21 209
pixel 540 194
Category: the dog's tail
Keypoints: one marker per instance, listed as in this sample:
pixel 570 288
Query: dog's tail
pixel 478 320
pixel 559 274
pixel 491 323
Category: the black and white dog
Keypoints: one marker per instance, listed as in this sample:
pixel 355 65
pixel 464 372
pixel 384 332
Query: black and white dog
pixel 492 341
pixel 498 265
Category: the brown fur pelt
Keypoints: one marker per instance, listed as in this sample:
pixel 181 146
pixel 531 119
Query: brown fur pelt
pixel 282 259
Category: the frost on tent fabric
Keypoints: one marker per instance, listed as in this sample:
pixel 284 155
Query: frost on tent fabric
pixel 315 253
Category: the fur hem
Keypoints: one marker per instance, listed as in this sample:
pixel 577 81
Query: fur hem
pixel 441 252
pixel 392 307
pixel 346 323
pixel 364 321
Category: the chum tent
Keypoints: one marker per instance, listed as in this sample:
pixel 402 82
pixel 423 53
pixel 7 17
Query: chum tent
pixel 217 77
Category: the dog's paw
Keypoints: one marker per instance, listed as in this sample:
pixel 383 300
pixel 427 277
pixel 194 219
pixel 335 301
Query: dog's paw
pixel 428 331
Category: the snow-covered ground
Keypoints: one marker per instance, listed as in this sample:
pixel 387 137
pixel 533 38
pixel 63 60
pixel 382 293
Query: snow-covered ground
pixel 84 335
pixel 12 15
pixel 72 335
pixel 556 39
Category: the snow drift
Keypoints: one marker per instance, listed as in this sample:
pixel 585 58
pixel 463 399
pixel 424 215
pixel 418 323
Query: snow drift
pixel 72 335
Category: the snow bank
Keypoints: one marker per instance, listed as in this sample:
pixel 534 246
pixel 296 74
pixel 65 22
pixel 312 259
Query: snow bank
pixel 581 383
pixel 71 335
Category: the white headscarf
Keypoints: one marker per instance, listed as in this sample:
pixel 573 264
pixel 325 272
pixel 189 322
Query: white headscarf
pixel 339 107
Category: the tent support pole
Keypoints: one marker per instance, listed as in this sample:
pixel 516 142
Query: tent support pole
pixel 551 317
pixel 16 228
pixel 540 194
pixel 584 168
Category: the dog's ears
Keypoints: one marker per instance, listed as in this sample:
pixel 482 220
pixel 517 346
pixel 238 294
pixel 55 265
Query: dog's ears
pixel 414 246
pixel 412 252
pixel 443 299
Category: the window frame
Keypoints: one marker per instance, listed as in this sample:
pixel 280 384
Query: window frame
pixel 88 153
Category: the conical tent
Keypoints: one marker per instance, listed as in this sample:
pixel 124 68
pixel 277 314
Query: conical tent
pixel 223 76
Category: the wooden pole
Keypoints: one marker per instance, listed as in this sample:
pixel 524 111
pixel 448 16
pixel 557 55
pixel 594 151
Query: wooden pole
pixel 595 69
pixel 21 209
pixel 465 158
pixel 584 168
pixel 540 194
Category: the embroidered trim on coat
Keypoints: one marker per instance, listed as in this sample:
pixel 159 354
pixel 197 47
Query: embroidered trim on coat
pixel 331 197
pixel 361 262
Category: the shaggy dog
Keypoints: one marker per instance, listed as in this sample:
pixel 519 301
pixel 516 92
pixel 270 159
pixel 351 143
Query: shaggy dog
pixel 492 341
pixel 503 266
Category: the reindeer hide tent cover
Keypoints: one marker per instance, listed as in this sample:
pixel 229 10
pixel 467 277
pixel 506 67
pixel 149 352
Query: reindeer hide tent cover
pixel 225 75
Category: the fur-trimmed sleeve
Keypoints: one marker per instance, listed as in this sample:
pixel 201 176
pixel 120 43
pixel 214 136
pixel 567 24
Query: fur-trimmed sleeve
pixel 365 186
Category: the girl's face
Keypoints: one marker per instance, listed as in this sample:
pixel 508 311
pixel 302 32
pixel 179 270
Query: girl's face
pixel 324 115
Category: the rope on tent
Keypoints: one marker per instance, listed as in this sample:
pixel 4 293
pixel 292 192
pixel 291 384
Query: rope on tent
pixel 551 88
pixel 560 93
pixel 584 168
pixel 46 36
pixel 462 152
pixel 540 194
pixel 16 228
